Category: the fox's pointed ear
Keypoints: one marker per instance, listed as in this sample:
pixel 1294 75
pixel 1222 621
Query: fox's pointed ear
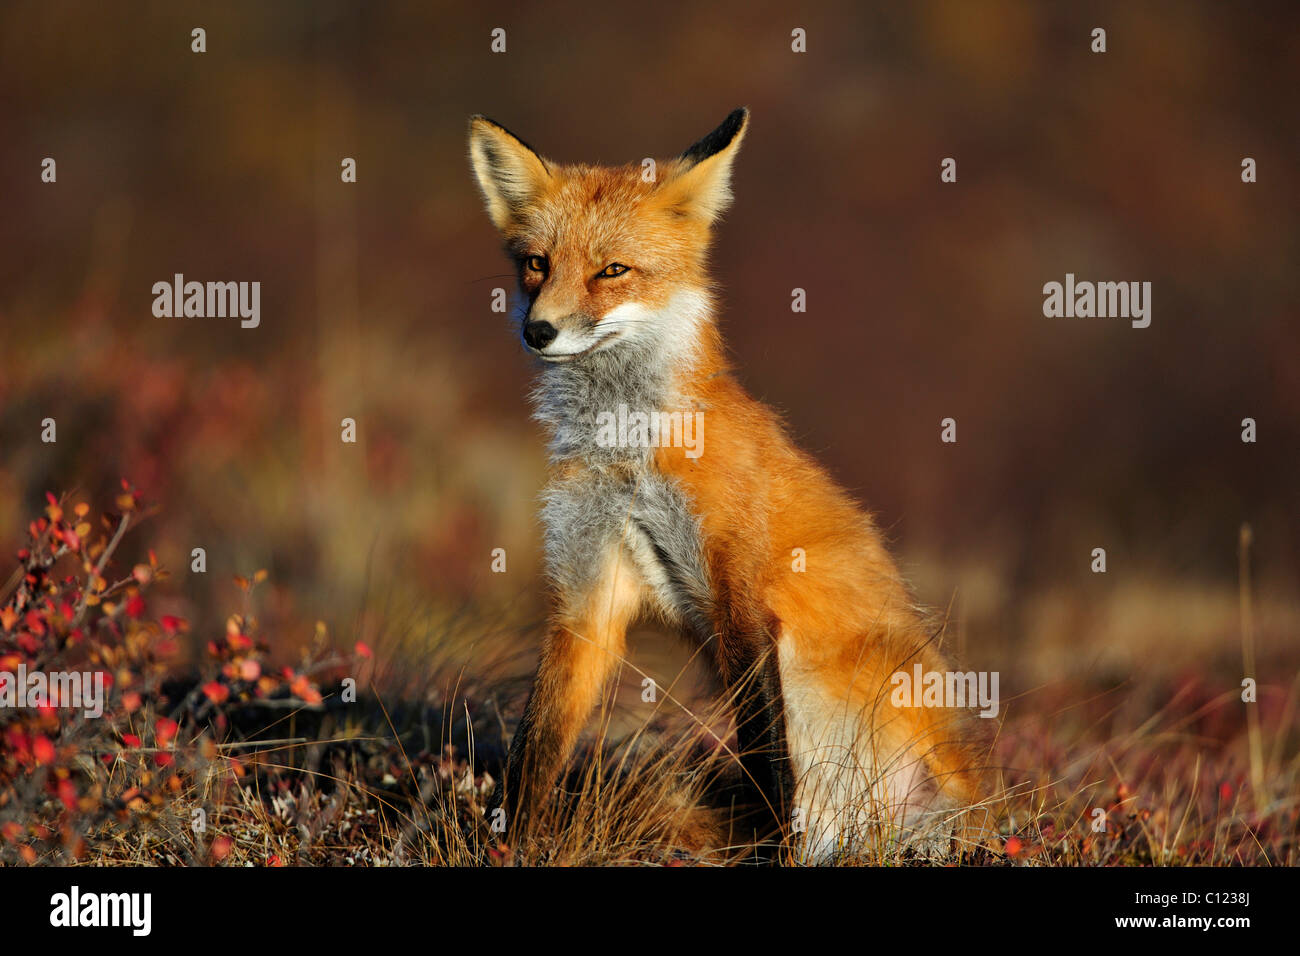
pixel 699 184
pixel 510 174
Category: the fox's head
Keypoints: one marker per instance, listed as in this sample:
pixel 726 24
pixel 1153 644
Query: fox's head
pixel 606 255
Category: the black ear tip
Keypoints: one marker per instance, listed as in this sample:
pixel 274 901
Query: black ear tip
pixel 478 121
pixel 720 138
pixel 732 125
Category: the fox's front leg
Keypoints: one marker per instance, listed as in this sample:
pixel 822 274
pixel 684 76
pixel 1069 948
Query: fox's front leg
pixel 585 642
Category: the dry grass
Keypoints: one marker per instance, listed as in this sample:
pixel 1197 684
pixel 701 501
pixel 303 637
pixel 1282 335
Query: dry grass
pixel 1174 788
pixel 280 769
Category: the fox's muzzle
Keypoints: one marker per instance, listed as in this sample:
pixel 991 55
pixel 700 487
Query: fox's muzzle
pixel 538 335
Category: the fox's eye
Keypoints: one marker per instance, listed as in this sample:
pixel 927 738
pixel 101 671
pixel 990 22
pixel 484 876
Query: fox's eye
pixel 611 270
pixel 535 263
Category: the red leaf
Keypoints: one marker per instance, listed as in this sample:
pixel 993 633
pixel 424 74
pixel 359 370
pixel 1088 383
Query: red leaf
pixel 165 730
pixel 68 794
pixel 303 690
pixel 16 742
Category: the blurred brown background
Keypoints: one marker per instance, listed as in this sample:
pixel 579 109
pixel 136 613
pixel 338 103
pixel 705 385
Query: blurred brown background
pixel 924 299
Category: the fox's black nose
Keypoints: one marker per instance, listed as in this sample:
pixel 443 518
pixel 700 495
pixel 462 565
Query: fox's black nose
pixel 539 334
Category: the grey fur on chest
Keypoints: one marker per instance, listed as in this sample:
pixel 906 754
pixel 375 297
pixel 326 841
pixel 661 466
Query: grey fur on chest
pixel 569 398
pixel 589 513
pixel 615 495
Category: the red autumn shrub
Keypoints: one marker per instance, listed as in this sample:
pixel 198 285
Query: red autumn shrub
pixel 92 744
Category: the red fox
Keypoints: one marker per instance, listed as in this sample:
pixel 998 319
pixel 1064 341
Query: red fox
pixel 729 534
